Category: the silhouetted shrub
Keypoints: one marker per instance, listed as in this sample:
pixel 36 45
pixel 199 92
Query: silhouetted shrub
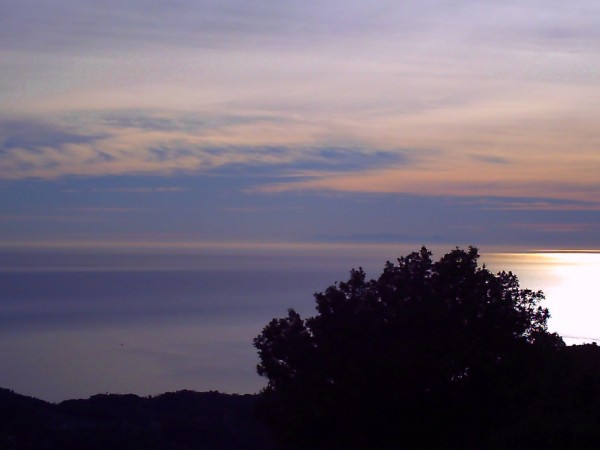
pixel 429 355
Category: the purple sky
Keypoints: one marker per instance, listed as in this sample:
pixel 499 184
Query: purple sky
pixel 225 121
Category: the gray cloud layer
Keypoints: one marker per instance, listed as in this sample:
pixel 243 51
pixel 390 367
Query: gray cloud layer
pixel 62 25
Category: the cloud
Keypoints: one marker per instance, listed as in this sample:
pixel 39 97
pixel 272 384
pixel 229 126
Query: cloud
pixel 168 121
pixel 162 142
pixel 528 204
pixel 141 190
pixel 134 142
pixel 45 218
pixel 490 159
pixel 381 238
pixel 108 209
pixel 124 145
pixel 352 159
pixel 31 133
pixel 219 23
pixel 305 162
pixel 567 228
pixel 446 178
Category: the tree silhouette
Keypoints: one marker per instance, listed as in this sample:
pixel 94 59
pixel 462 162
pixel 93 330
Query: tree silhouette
pixel 429 355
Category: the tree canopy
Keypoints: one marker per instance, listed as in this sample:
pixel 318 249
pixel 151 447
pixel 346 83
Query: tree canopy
pixel 428 355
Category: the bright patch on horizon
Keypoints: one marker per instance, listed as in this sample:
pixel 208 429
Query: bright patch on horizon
pixel 574 298
pixel 569 281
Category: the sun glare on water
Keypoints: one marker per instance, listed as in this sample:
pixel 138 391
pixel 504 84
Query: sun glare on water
pixel 569 281
pixel 573 299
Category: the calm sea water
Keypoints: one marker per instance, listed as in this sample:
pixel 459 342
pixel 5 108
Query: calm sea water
pixel 74 324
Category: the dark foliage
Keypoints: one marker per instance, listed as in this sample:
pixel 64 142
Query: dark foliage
pixel 172 421
pixel 439 354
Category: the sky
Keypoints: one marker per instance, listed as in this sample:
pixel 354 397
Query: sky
pixel 228 121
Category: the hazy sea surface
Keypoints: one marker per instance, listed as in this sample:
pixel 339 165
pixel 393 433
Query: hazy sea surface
pixel 73 324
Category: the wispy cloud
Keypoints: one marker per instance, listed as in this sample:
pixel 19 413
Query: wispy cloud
pixel 390 238
pixel 451 180
pixel 528 204
pixel 555 227
pixel 165 121
pixel 105 209
pixel 133 190
pixel 32 148
pixel 52 217
pixel 491 159
pixel 234 22
pixel 32 134
pixel 167 142
pixel 134 143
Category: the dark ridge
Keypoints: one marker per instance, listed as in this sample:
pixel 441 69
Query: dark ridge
pixel 178 420
pixel 562 407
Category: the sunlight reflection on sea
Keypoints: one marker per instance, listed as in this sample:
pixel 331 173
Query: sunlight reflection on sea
pixel 569 281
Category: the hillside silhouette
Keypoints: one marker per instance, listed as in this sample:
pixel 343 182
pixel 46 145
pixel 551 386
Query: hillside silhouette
pixel 171 421
pixel 558 408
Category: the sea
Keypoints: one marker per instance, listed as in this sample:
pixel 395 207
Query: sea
pixel 77 322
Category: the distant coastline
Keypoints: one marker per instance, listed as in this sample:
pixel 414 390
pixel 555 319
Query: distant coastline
pixel 177 420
